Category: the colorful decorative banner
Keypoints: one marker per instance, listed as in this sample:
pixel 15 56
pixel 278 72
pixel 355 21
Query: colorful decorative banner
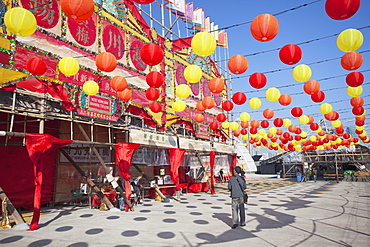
pixel 136 60
pixel 113 40
pixel 84 32
pixel 46 12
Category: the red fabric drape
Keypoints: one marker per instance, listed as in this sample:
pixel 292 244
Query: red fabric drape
pixel 124 155
pixel 176 156
pixel 232 163
pixel 39 145
pixel 212 166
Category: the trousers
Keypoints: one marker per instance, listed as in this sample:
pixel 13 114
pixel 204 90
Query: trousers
pixel 238 209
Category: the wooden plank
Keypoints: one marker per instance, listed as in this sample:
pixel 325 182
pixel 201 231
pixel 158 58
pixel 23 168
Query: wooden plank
pixel 12 210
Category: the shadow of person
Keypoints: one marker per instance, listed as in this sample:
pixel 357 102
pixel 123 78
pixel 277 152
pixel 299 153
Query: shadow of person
pixel 62 213
pixel 227 236
pixel 224 217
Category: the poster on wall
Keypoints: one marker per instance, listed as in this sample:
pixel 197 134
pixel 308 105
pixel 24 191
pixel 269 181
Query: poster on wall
pixel 81 153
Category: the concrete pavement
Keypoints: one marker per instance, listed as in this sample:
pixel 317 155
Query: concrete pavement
pixel 301 214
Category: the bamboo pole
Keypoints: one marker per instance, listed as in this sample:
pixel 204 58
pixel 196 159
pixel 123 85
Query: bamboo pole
pixel 107 172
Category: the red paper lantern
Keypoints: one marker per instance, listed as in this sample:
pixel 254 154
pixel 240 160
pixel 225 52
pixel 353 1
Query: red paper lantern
pixel 360 118
pixel 154 79
pixel 125 95
pixel 155 107
pixel 278 122
pixel 143 1
pixel 318 97
pixel 358 110
pixel 237 64
pixel 357 101
pixel 279 131
pixel 227 105
pixel 286 135
pixel 239 98
pixel 255 124
pixel 221 117
pixel 208 102
pixel 268 113
pixel 296 112
pixel 151 54
pixel 314 126
pixel 285 99
pixel 213 125
pixel 78 10
pixel 264 27
pixel 36 66
pixel 298 131
pixel 200 106
pixel 106 61
pixel 152 93
pixel 265 124
pixel 311 87
pixel 332 116
pixel 351 60
pixel 199 118
pixel 355 79
pixel 244 132
pixel 360 123
pixel 253 131
pixel 216 85
pixel 244 124
pixel 341 9
pixel 118 83
pixel 257 80
pixel 290 54
pixel 346 136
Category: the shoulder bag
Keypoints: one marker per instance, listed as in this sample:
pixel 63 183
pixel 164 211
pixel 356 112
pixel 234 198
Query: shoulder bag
pixel 245 195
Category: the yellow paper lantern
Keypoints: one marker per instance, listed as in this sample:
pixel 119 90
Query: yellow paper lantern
pixel 320 148
pixel 325 108
pixel 318 130
pixel 298 148
pixel 363 133
pixel 287 122
pixel 203 44
pixel 354 91
pixel 254 136
pixel 244 116
pixel 336 123
pixel 255 103
pixel 303 119
pixel 234 125
pixel 90 87
pixel 183 91
pixel 20 21
pixel 313 138
pixel 350 40
pixel 193 73
pixel 179 105
pixel 68 66
pixel 225 124
pixel 262 132
pixel 303 134
pixel 272 94
pixel 273 130
pixel 302 73
pixel 358 127
pixel 244 137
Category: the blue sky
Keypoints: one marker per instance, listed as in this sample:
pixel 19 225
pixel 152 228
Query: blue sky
pixel 297 26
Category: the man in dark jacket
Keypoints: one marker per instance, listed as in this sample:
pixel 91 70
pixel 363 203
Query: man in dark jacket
pixel 236 186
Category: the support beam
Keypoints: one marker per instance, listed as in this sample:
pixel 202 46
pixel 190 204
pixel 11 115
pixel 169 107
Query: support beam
pixel 88 180
pixel 147 179
pixel 12 210
pixel 107 172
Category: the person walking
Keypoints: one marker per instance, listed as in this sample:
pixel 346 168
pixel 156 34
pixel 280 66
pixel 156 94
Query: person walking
pixel 221 175
pixel 236 186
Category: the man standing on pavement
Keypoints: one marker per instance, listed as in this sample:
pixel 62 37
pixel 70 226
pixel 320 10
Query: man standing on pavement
pixel 236 186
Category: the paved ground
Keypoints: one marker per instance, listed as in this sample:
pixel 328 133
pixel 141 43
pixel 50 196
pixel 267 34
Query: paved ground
pixel 300 214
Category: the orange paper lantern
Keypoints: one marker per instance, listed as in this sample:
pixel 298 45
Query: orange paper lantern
pixel 106 61
pixel 125 95
pixel 264 27
pixel 237 64
pixel 351 60
pixel 118 83
pixel 78 10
